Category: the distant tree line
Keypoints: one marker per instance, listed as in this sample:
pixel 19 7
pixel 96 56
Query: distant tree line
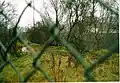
pixel 78 23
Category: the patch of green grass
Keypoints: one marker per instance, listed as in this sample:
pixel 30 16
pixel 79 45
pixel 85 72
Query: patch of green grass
pixel 55 62
pixel 107 71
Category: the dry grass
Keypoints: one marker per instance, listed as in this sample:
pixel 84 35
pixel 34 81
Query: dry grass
pixel 56 64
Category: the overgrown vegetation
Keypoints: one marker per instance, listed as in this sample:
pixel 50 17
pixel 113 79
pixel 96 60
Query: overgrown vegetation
pixel 80 44
pixel 56 64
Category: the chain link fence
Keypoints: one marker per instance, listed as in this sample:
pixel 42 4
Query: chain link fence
pixel 6 56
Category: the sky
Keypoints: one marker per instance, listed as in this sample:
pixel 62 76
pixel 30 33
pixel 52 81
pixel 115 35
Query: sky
pixel 27 18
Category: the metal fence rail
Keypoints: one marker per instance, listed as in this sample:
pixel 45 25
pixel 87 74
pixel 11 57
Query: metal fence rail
pixel 54 31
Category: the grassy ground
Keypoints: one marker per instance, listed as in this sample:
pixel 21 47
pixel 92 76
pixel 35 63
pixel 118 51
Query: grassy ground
pixel 55 62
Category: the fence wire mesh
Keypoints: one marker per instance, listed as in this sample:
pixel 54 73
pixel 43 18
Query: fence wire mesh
pixel 6 56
